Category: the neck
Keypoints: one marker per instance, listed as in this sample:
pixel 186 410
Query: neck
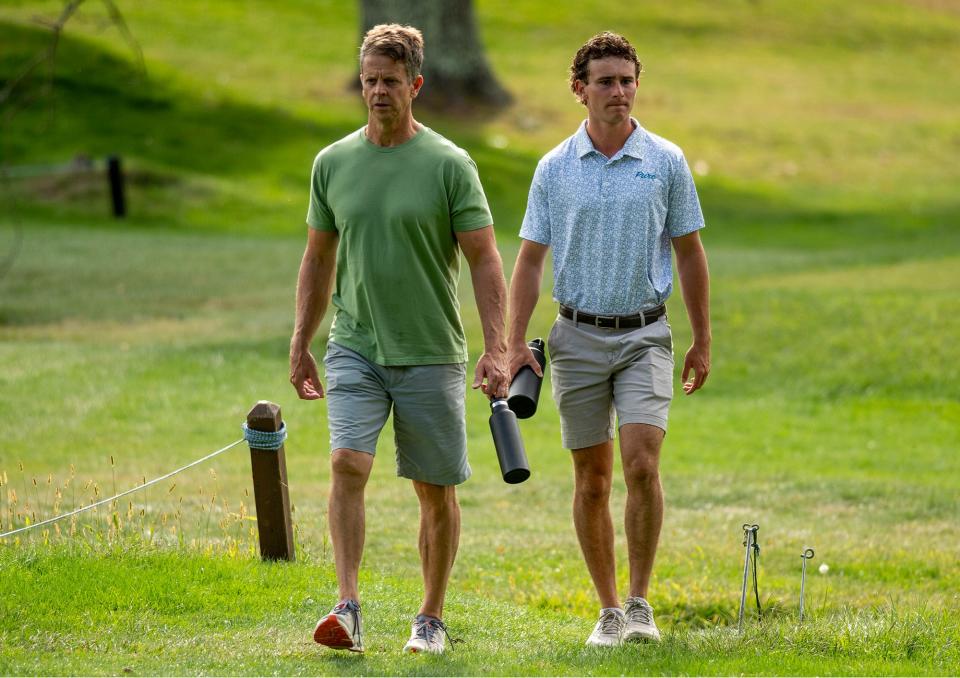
pixel 391 132
pixel 609 138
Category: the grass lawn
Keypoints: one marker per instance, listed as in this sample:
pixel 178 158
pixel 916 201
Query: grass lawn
pixel 832 417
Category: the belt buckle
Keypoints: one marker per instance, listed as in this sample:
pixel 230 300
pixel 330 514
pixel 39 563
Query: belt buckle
pixel 615 319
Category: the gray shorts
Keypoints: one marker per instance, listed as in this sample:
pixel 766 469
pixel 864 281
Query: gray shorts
pixel 596 371
pixel 429 416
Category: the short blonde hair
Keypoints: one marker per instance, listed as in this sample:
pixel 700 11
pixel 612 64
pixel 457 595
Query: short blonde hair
pixel 400 43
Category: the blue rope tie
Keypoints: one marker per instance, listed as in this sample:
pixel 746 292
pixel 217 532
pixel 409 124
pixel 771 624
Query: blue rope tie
pixel 265 440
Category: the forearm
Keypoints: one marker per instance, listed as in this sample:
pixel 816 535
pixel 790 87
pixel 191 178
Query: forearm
pixel 490 291
pixel 314 284
pixel 695 285
pixel 524 294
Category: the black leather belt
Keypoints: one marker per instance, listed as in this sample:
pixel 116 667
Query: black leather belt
pixel 615 321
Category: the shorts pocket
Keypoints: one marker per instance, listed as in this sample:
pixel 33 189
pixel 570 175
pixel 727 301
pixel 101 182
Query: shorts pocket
pixel 662 363
pixel 553 339
pixel 667 336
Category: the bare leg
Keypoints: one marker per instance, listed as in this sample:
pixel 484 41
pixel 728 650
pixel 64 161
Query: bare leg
pixel 350 470
pixel 439 538
pixel 593 475
pixel 640 452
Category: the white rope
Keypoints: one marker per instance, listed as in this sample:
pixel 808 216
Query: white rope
pixel 122 494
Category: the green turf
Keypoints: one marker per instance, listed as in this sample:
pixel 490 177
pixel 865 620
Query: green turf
pixel 246 618
pixel 826 133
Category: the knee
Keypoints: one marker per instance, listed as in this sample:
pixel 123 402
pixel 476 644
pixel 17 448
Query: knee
pixel 641 471
pixel 350 468
pixel 593 489
pixel 437 501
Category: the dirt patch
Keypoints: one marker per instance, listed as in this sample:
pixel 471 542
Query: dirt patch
pixel 79 182
pixel 942 6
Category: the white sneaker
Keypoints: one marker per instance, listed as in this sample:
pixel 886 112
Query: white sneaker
pixel 342 629
pixel 640 626
pixel 427 635
pixel 609 629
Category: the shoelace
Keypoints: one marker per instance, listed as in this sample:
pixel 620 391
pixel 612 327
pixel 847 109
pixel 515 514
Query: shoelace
pixel 354 608
pixel 428 627
pixel 610 622
pixel 640 613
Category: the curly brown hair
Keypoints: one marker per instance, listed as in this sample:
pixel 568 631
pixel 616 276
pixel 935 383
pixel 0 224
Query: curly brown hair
pixel 400 43
pixel 600 46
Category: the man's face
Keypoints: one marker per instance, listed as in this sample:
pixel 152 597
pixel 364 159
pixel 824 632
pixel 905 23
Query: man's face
pixel 387 89
pixel 610 89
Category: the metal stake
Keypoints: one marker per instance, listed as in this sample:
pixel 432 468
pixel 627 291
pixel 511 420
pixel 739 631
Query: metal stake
pixel 805 556
pixel 749 534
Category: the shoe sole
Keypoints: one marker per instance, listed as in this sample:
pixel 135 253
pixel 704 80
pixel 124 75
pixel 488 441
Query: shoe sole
pixel 417 650
pixel 638 637
pixel 413 649
pixel 330 632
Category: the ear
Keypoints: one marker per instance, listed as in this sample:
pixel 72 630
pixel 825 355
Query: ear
pixel 579 89
pixel 417 84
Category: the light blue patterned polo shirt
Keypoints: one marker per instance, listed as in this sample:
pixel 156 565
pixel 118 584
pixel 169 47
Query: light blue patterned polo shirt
pixel 609 222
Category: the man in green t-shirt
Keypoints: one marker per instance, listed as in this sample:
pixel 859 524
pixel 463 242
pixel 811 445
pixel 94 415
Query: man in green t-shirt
pixel 391 206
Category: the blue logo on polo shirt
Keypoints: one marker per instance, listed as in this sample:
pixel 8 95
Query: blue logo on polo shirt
pixel 644 175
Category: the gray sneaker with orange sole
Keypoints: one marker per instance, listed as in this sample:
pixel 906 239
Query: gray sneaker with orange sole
pixel 342 629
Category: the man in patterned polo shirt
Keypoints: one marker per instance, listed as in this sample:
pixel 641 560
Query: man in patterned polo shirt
pixel 610 200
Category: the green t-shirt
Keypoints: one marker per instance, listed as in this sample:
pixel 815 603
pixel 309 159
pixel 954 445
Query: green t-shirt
pixel 398 262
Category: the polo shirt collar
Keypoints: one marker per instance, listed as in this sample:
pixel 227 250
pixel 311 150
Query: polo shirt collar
pixel 632 147
pixel 582 141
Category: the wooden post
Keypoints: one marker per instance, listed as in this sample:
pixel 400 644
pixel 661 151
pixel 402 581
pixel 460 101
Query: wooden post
pixel 115 177
pixel 270 487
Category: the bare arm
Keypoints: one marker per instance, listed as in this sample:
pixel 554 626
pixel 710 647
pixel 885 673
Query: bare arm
pixel 490 289
pixel 695 284
pixel 313 296
pixel 524 293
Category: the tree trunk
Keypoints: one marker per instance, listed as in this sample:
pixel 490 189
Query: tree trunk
pixel 455 70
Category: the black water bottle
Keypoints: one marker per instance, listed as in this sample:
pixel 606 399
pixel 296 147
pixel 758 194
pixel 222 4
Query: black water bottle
pixel 525 388
pixel 509 444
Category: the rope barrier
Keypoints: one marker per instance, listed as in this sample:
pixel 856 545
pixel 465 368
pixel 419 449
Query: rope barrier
pixel 131 491
pixel 265 440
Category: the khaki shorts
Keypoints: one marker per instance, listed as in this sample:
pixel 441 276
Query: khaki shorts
pixel 597 371
pixel 429 416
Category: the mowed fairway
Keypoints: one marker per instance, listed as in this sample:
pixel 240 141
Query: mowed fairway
pixel 832 417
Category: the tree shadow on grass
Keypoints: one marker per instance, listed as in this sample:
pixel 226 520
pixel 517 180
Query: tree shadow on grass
pixel 100 103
